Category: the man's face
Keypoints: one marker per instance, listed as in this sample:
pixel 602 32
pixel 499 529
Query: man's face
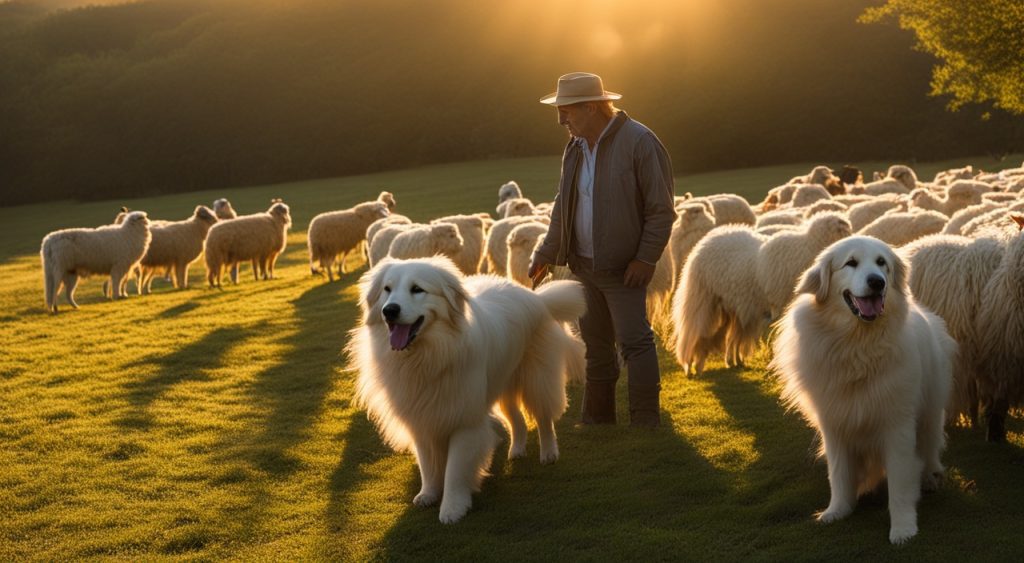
pixel 577 118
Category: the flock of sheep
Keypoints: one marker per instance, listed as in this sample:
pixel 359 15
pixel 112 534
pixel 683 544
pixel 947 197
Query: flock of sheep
pixel 728 271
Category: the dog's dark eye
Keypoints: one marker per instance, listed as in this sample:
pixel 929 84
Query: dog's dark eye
pixel 416 289
pixel 387 289
pixel 880 262
pixel 852 262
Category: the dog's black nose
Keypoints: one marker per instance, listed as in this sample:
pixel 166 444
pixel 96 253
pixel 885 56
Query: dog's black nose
pixel 876 283
pixel 391 312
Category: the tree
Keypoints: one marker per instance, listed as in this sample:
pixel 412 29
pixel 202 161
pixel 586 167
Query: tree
pixel 980 45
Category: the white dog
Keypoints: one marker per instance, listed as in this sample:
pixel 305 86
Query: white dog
pixel 435 352
pixel 871 370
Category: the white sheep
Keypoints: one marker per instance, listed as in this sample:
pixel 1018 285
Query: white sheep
pixel 808 194
pixel 949 176
pixel 1000 197
pixel 996 224
pixel 471 229
pixel 787 216
pixel 258 238
pixel 776 197
pixel 956 223
pixel 111 250
pixel 387 198
pixel 729 209
pixel 517 207
pixel 948 274
pixel 693 222
pixel 507 191
pixel 381 243
pixel 340 232
pixel 376 226
pixel 719 305
pixel 850 200
pixel 959 195
pixel 497 242
pixel 1000 330
pixel 223 210
pixel 884 186
pixel 785 256
pixel 771 230
pixel 174 246
pixel 897 228
pixel 426 241
pixel 823 206
pixel 864 213
pixel 521 241
pixel 904 175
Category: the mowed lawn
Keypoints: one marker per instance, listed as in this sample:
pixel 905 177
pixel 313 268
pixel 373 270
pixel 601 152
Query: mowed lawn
pixel 219 424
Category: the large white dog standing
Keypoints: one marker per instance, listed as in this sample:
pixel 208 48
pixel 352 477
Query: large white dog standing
pixel 871 370
pixel 436 352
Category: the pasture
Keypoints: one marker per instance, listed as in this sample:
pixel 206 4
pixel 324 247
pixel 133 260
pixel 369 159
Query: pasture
pixel 218 424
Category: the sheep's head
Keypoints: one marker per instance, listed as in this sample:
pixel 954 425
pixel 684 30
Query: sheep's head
pixel 695 216
pixel 830 226
pixel 388 199
pixel 136 219
pixel 446 237
pixel 509 190
pixel 205 214
pixel 372 210
pixel 280 211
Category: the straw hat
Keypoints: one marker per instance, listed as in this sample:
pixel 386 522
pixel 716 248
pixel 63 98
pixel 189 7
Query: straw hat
pixel 577 87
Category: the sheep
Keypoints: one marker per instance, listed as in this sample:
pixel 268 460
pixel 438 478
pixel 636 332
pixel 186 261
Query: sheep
pixel 521 241
pixel 223 210
pixel 994 224
pixel 780 217
pixel 497 243
pixel 785 256
pixel 850 200
pixel 516 207
pixel 949 176
pixel 381 243
pixel 730 209
pixel 823 206
pixel 719 305
pixel 956 223
pixel 693 222
pixel 808 194
pixel 471 229
pixel 1000 197
pixel 948 275
pixel 340 232
pixel 426 241
pixel 897 228
pixel 1000 331
pixel 259 237
pixel 862 214
pixel 112 250
pixel 507 191
pixel 376 226
pixel 387 198
pixel 770 230
pixel 174 246
pixel 958 197
pixel 777 196
pixel 885 186
pixel 818 175
pixel 904 175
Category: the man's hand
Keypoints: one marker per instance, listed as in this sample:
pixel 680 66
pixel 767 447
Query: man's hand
pixel 638 274
pixel 538 269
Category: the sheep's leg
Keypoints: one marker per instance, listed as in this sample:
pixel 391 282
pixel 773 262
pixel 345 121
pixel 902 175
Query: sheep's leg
pixel 116 283
pixel 271 262
pixel 257 269
pixel 328 265
pixel 234 274
pixel 52 287
pixel 341 264
pixel 181 275
pixel 70 282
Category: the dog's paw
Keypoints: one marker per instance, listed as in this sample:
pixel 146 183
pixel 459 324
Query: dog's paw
pixel 833 514
pixel 931 481
pixel 426 498
pixel 516 452
pixel 453 509
pixel 550 456
pixel 900 535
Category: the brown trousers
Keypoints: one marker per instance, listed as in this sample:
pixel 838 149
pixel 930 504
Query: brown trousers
pixel 617 314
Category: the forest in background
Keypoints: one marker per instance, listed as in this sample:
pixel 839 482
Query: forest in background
pixel 168 96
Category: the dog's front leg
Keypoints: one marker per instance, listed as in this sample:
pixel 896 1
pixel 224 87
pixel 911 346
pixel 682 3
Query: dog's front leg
pixel 430 460
pixel 903 470
pixel 469 453
pixel 842 480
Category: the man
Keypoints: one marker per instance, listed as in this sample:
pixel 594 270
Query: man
pixel 611 221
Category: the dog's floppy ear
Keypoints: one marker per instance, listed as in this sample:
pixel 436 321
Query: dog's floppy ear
pixel 816 279
pixel 455 294
pixel 899 273
pixel 371 284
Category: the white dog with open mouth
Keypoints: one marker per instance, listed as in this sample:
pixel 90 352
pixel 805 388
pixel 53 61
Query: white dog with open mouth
pixel 871 370
pixel 436 352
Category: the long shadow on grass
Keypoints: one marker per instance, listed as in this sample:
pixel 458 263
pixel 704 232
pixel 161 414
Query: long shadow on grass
pixel 616 492
pixel 189 363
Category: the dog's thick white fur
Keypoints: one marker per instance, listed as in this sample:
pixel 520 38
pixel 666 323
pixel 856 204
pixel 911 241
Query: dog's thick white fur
pixel 871 370
pixel 436 352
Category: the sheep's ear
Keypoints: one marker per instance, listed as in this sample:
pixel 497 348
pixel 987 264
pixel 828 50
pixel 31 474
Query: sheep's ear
pixel 1019 219
pixel 124 209
pixel 816 279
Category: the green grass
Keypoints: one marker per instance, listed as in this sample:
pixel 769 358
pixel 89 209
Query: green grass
pixel 212 424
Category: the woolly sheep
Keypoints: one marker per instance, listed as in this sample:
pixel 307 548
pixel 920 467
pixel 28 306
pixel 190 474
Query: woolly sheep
pixel 497 243
pixel 471 229
pixel 948 275
pixel 387 198
pixel 862 214
pixel 376 226
pixel 785 256
pixel 1000 330
pixel 381 243
pixel 259 238
pixel 956 223
pixel 174 246
pixel 958 196
pixel 507 191
pixel 427 241
pixel 521 241
pixel 885 186
pixel 780 217
pixel 340 232
pixel 777 196
pixel 850 200
pixel 730 209
pixel 719 305
pixel 518 207
pixel 897 228
pixel 693 222
pixel 223 210
pixel 904 175
pixel 1000 197
pixel 808 194
pixel 823 206
pixel 949 176
pixel 994 224
pixel 112 250
pixel 771 230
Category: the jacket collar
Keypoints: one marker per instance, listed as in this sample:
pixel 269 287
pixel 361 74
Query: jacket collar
pixel 613 127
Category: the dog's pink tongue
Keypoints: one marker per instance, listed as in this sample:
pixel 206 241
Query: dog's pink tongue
pixel 400 336
pixel 870 306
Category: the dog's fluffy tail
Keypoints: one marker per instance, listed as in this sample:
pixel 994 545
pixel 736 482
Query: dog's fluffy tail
pixel 564 299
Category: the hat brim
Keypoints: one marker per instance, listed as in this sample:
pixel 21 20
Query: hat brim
pixel 552 99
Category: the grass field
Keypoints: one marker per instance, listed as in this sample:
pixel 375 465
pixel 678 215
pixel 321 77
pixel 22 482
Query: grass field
pixel 218 424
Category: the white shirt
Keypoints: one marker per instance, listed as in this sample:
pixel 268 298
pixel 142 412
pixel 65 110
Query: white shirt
pixel 584 222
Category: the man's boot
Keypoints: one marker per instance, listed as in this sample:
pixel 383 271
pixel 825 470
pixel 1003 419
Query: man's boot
pixel 644 407
pixel 598 403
